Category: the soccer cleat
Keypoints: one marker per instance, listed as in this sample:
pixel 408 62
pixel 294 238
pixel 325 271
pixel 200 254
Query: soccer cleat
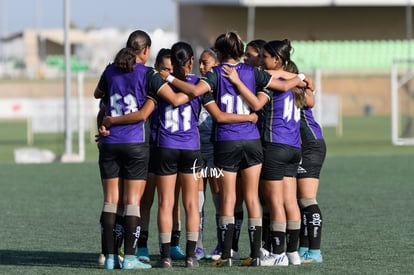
pixel 264 252
pixel 312 256
pixel 134 263
pixel 164 263
pixel 235 255
pixel 199 252
pixel 111 262
pixel 142 254
pixel 191 262
pixel 101 259
pixel 176 253
pixel 302 251
pixel 121 254
pixel 249 261
pixel 293 257
pixel 275 259
pixel 222 262
pixel 215 254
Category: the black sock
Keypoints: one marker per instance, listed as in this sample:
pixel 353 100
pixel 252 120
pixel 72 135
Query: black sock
pixel 266 243
pixel 190 249
pixel 226 239
pixel 314 225
pixel 304 237
pixel 108 225
pixel 103 247
pixel 278 241
pixel 218 230
pixel 132 232
pixel 292 239
pixel 238 222
pixel 165 250
pixel 119 231
pixel 255 239
pixel 175 237
pixel 143 239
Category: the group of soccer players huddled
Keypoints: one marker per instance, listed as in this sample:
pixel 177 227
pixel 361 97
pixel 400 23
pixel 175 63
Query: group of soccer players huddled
pixel 244 127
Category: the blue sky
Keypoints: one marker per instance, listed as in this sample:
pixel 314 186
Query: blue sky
pixel 17 15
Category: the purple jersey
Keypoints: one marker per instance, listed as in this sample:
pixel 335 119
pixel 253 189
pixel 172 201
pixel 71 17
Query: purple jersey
pixel 281 120
pixel 229 100
pixel 177 126
pixel 309 128
pixel 126 93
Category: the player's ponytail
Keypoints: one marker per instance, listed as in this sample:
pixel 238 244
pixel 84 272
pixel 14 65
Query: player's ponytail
pixel 125 60
pixel 181 54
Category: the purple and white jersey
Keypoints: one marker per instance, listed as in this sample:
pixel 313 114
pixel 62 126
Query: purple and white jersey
pixel 126 93
pixel 309 128
pixel 178 126
pixel 281 120
pixel 229 100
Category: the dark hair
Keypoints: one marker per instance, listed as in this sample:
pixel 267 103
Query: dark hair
pixel 162 53
pixel 257 44
pixel 137 41
pixel 229 45
pixel 283 49
pixel 211 52
pixel 125 60
pixel 181 53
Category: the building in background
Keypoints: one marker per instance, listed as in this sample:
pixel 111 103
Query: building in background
pixel 352 43
pixel 40 53
pixel 201 21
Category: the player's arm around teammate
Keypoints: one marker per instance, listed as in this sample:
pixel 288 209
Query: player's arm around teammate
pixel 247 157
pixel 282 154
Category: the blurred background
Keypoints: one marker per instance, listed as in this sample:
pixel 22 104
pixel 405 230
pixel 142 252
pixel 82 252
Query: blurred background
pixel 52 53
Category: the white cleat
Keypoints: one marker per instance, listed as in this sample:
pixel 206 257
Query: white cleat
pixel 275 260
pixel 293 257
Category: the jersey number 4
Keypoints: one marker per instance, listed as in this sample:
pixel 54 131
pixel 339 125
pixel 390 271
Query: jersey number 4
pixel 173 118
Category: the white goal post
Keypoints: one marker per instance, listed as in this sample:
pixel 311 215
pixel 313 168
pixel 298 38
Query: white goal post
pixel 328 109
pixel 402 102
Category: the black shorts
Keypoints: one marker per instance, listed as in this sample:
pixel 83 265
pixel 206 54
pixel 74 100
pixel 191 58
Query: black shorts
pixel 280 160
pixel 127 160
pixel 152 163
pixel 234 155
pixel 172 161
pixel 313 157
pixel 207 152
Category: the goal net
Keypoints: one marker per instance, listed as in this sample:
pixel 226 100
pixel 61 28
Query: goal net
pixel 402 102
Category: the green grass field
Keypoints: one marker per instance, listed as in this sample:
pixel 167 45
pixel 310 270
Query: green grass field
pixel 49 212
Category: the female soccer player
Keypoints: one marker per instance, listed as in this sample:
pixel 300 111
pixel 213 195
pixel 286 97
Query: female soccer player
pixel 313 157
pixel 238 145
pixel 252 57
pixel 208 59
pixel 124 149
pixel 178 155
pixel 281 141
pixel 162 62
pixel 124 153
pixel 252 53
